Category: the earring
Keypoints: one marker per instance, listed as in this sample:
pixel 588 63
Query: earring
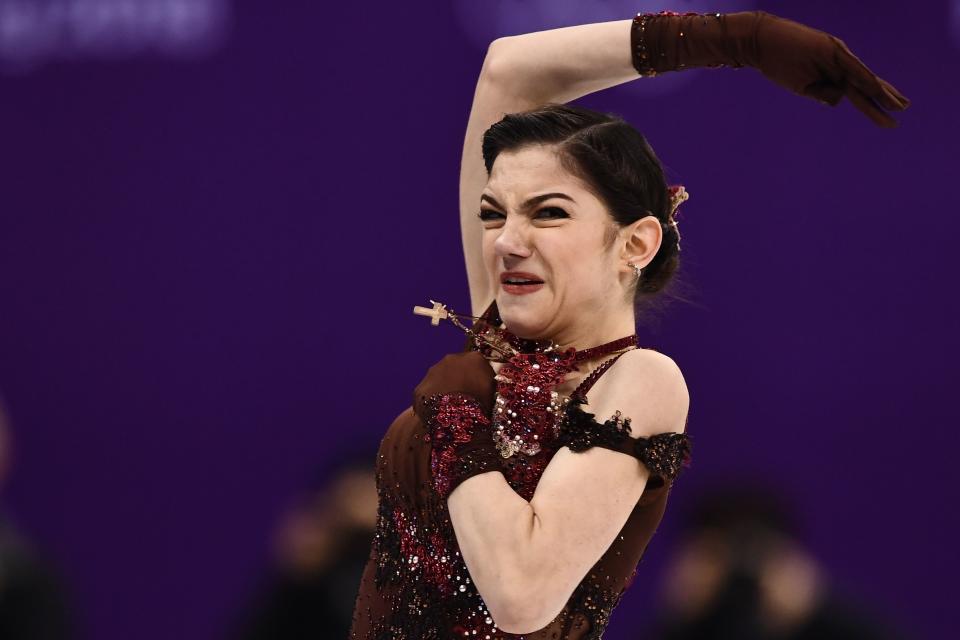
pixel 636 269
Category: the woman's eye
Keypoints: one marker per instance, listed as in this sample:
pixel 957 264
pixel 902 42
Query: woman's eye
pixel 549 212
pixel 489 214
pixel 553 212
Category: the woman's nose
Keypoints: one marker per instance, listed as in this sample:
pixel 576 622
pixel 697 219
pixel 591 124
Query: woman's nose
pixel 513 240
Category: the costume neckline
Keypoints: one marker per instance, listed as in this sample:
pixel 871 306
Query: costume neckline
pixel 532 345
pixel 490 321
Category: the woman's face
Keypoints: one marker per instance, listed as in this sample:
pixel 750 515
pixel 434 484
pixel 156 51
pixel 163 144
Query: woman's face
pixel 556 241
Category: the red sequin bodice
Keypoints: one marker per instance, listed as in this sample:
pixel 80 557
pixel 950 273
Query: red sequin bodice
pixel 416 584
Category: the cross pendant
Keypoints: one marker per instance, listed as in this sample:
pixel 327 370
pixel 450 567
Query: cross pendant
pixel 436 314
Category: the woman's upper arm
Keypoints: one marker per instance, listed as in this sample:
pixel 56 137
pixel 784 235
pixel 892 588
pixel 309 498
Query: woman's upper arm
pixel 491 100
pixel 584 499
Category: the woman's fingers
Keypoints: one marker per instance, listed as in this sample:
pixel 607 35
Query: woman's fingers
pixel 867 91
pixel 854 68
pixel 902 99
pixel 864 103
pixel 870 84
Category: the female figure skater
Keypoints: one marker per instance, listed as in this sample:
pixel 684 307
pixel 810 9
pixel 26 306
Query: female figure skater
pixel 506 508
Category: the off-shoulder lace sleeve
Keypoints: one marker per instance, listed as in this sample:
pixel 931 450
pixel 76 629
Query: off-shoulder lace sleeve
pixel 664 454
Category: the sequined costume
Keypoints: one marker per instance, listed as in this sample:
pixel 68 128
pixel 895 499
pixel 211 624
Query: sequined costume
pixel 416 585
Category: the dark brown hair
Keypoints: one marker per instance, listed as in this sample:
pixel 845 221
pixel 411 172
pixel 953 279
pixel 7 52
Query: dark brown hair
pixel 616 163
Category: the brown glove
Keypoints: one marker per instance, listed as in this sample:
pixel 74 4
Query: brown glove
pixel 455 400
pixel 804 60
pixel 466 372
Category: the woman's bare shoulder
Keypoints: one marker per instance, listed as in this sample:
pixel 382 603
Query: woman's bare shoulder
pixel 646 386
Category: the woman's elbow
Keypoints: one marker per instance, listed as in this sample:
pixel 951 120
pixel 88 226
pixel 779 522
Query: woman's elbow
pixel 516 617
pixel 525 611
pixel 496 69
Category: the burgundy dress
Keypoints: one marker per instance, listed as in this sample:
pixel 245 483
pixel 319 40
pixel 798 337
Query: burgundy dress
pixel 416 585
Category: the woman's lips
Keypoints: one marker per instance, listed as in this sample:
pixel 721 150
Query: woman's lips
pixel 521 289
pixel 519 283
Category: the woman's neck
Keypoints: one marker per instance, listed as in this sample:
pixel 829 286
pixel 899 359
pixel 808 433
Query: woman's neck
pixel 586 335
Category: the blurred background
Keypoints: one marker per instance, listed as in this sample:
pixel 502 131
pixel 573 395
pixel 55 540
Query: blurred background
pixel 217 215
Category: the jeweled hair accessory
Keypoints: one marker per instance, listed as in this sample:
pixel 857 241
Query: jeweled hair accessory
pixel 678 195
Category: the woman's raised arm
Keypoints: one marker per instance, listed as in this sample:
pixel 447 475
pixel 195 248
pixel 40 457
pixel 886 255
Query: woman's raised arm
pixel 559 65
pixel 523 72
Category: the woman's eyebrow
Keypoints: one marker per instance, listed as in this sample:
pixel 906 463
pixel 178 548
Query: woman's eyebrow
pixel 531 202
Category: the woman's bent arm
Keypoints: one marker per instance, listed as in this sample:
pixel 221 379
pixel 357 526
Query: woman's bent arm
pixel 523 72
pixel 526 558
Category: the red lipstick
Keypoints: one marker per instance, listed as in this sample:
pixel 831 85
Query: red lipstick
pixel 520 282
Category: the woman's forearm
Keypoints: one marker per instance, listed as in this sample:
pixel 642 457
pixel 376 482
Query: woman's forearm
pixel 495 527
pixel 560 65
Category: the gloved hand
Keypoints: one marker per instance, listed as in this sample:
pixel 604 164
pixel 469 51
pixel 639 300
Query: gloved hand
pixel 466 372
pixel 455 400
pixel 806 61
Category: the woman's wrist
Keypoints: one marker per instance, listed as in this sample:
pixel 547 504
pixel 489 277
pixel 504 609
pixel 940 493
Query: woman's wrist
pixel 671 41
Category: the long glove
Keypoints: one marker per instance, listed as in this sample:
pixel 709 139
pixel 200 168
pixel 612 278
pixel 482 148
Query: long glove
pixel 455 400
pixel 804 60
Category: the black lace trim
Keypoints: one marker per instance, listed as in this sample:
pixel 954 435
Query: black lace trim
pixel 665 454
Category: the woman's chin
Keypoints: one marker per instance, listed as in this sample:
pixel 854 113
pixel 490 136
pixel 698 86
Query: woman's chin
pixel 524 323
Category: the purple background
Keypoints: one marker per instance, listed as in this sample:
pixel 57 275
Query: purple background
pixel 207 268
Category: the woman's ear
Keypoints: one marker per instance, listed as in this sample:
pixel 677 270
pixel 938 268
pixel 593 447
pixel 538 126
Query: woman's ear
pixel 641 240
